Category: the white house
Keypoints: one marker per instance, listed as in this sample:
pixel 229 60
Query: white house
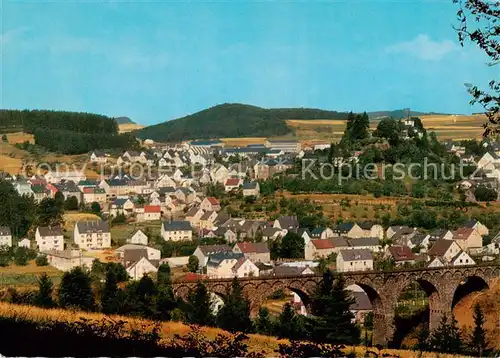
pixel 5 236
pixel 448 252
pixel 176 231
pixel 98 157
pixel 68 259
pixel 244 267
pixel 220 265
pixel 24 243
pixel 150 253
pixel 49 238
pixel 92 235
pixel 140 268
pixel 354 260
pixel 138 238
pixel 203 252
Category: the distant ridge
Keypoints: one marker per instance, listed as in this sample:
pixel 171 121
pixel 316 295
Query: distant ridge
pixel 233 120
pixel 124 120
pixel 400 113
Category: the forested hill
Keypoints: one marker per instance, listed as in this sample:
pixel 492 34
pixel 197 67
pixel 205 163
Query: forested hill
pixel 399 113
pixel 233 120
pixel 67 132
pixel 124 120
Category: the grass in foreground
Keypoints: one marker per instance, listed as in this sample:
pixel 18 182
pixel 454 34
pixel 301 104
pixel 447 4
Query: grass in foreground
pixel 256 342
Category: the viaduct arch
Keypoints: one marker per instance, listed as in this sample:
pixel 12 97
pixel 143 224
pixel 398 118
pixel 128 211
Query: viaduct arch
pixel 443 285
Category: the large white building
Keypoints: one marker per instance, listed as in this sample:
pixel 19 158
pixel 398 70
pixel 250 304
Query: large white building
pixel 92 235
pixel 49 238
pixel 176 231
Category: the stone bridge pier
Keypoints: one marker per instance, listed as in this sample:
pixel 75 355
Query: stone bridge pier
pixel 443 286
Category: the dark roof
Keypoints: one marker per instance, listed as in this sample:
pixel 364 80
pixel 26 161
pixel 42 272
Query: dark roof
pixel 344 227
pixel 93 226
pixel 263 266
pixel 471 223
pixel 177 226
pixel 356 254
pixel 366 225
pixel 5 231
pixel 288 222
pixel 217 258
pixel 250 185
pixel 134 255
pixel 440 247
pixel 303 230
pixel 288 270
pixel 50 230
pixel 212 249
pixel 364 241
pixel 317 232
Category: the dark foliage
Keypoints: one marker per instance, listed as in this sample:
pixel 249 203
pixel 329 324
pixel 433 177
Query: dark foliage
pixel 330 306
pixel 232 120
pixel 480 24
pixel 306 349
pixel 234 316
pixel 76 291
pixel 198 307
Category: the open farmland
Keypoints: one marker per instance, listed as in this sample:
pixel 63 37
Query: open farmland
pixel 128 127
pixel 454 127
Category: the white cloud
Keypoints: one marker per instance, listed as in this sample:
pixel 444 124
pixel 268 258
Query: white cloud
pixel 424 48
pixel 9 36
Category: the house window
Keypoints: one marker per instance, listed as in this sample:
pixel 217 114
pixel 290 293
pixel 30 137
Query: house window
pixel 351 263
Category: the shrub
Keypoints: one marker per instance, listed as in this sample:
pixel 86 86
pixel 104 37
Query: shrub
pixel 42 260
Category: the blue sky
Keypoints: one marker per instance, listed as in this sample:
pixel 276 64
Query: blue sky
pixel 158 60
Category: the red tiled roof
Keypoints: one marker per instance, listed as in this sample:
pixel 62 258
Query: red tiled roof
pixel 213 200
pixel 152 209
pixel 462 233
pixel 247 247
pixel 323 244
pixel 401 253
pixel 232 182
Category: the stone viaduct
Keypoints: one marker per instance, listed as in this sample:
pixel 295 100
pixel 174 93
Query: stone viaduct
pixel 444 287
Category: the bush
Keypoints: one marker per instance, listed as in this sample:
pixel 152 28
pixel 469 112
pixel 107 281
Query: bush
pixel 42 260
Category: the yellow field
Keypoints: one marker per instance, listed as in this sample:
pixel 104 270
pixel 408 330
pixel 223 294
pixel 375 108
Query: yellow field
pixel 256 343
pixel 128 127
pixel 10 165
pixel 30 268
pixel 242 142
pixel 20 137
pixel 446 127
pixel 70 219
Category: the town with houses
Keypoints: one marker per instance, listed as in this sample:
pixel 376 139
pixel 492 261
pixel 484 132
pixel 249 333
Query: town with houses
pixel 176 200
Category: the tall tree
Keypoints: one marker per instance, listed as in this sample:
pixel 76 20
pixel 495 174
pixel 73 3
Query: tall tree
pixel 165 300
pixel 193 263
pixel 289 324
pixel 199 307
pixel 330 307
pixel 49 213
pixel 110 297
pixel 234 316
pixel 446 338
pixel 292 246
pixel 76 291
pixel 43 297
pixel 263 323
pixel 480 24
pixel 163 276
pixel 478 339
